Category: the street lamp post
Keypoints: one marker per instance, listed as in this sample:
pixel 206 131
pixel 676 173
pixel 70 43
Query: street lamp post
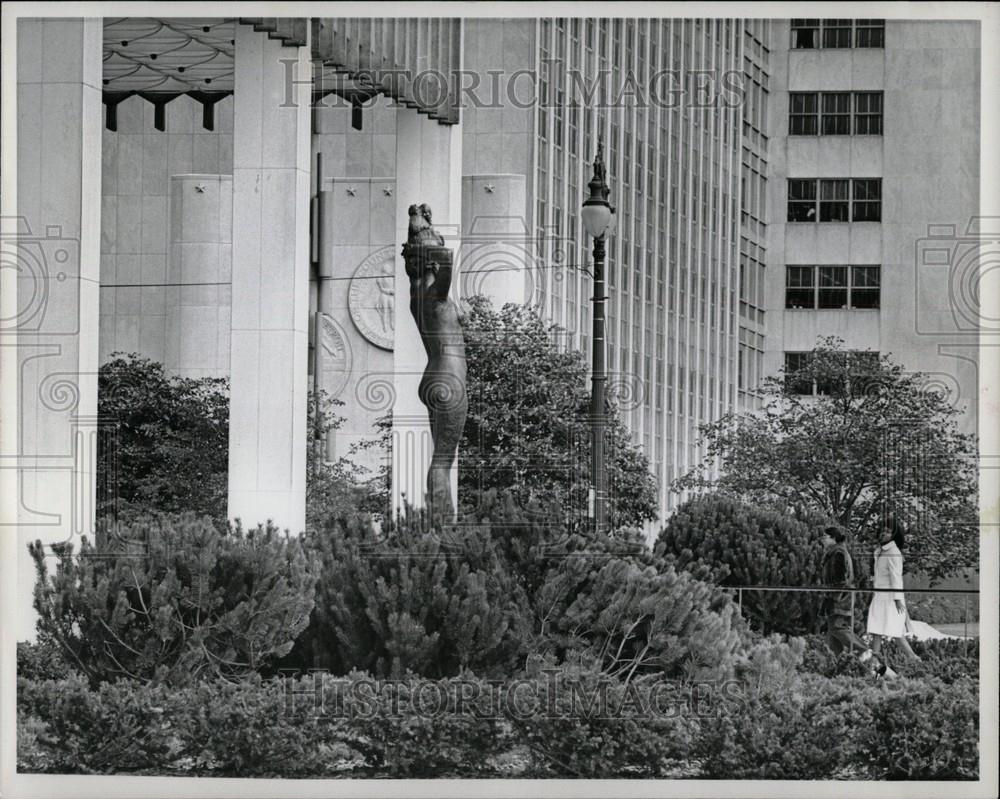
pixel 598 216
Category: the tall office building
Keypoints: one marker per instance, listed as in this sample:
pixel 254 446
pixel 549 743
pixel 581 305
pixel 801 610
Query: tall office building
pixel 873 195
pixel 681 107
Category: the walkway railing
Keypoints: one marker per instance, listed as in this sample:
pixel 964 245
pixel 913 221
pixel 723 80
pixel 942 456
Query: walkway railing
pixel 965 592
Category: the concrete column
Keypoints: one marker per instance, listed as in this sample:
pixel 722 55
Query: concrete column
pixel 199 275
pixel 428 170
pixel 270 281
pixel 497 251
pixel 56 254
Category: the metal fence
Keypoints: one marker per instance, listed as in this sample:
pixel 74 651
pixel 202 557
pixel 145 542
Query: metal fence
pixel 965 593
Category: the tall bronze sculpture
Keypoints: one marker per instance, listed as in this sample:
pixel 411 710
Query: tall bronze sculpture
pixel 443 386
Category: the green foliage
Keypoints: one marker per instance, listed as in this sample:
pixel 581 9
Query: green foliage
pixel 42 659
pixel 73 728
pixel 526 428
pixel 636 621
pixel 945 660
pixel 253 728
pixel 414 598
pixel 796 729
pixel 572 720
pixel 174 599
pixel 876 439
pixel 926 730
pixel 420 728
pixel 335 490
pixel 311 726
pixel 744 545
pixel 169 441
pixel 590 725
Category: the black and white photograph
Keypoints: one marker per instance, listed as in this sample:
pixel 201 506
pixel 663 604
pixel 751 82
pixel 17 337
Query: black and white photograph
pixel 508 399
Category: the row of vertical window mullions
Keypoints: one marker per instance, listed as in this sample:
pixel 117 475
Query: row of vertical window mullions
pixel 836 33
pixel 835 200
pixel 855 287
pixel 806 119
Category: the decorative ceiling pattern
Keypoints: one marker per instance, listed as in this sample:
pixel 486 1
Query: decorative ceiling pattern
pixel 161 59
pixel 168 55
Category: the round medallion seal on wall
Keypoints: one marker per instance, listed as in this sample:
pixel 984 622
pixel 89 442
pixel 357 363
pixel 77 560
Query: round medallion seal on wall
pixel 372 297
pixel 334 353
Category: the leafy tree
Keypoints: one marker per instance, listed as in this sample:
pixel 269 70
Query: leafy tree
pixel 526 429
pixel 742 544
pixel 175 599
pixel 169 448
pixel 334 489
pixel 169 441
pixel 874 441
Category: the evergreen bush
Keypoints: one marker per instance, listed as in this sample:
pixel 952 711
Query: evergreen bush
pixel 742 545
pixel 175 599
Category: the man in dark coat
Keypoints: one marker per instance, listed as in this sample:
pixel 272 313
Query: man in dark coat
pixel 838 572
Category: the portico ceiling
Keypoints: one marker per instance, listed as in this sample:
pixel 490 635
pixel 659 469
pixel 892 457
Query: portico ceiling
pixel 163 58
pixel 168 55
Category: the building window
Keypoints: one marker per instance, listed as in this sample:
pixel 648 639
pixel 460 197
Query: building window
pixel 810 113
pixel 803 117
pixel 800 287
pixel 865 286
pixel 855 362
pixel 868 113
pixel 869 33
pixel 833 201
pixel 801 200
pixel 809 34
pixel 836 113
pixel 795 383
pixel 831 287
pixel 836 203
pixel 836 33
pixel 867 199
pixel 805 34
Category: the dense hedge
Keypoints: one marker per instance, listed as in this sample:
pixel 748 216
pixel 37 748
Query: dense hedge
pixel 946 660
pixel 567 721
pixel 819 728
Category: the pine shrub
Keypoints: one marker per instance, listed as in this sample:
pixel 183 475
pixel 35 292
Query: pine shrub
pixel 173 599
pixel 742 545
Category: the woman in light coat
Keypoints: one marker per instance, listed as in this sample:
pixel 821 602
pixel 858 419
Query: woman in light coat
pixel 887 612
